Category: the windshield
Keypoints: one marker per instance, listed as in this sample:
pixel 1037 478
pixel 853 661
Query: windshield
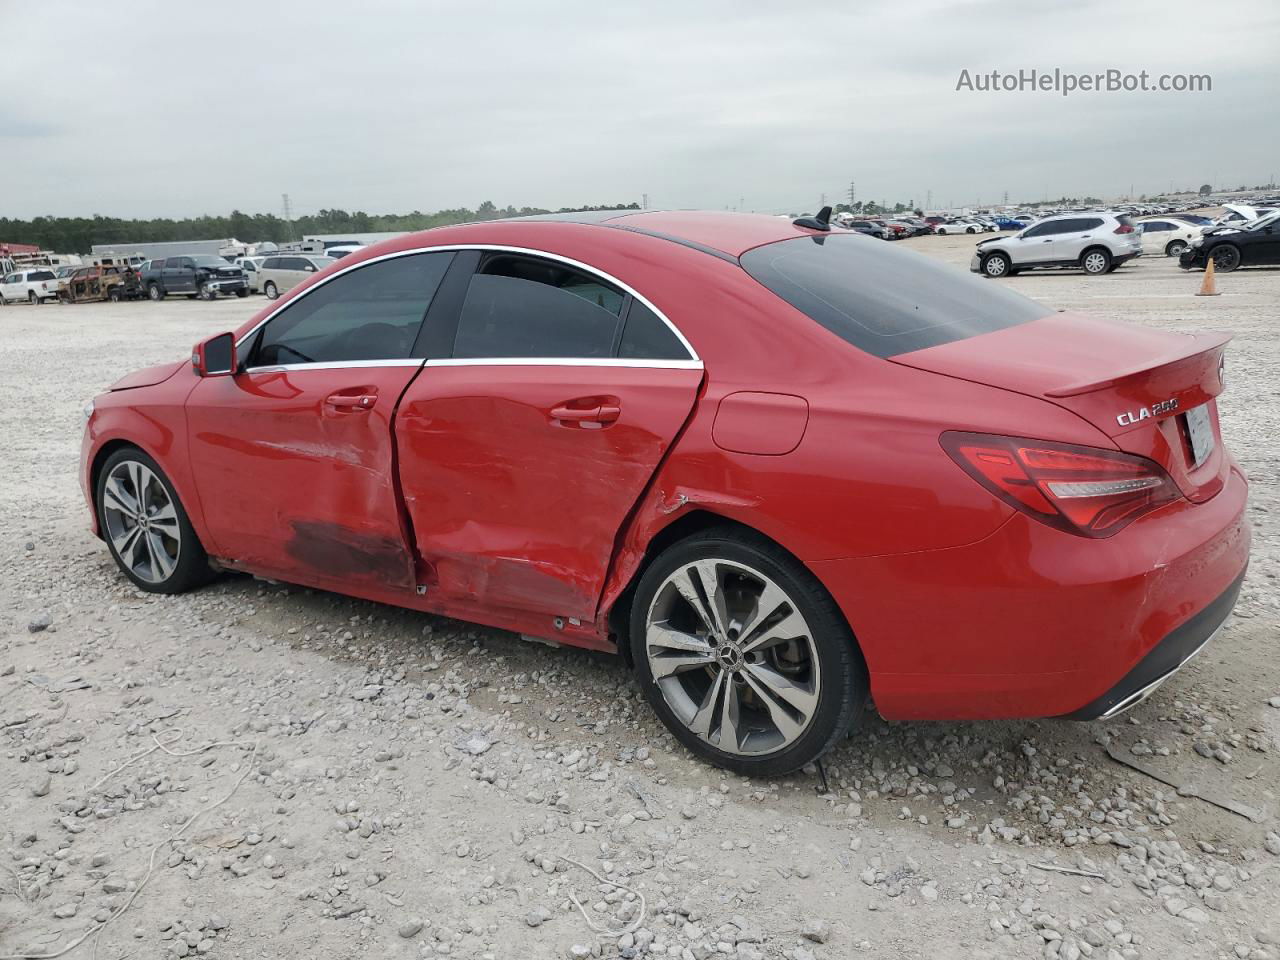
pixel 882 300
pixel 1263 222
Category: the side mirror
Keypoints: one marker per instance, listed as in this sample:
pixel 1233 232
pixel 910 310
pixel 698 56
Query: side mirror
pixel 215 357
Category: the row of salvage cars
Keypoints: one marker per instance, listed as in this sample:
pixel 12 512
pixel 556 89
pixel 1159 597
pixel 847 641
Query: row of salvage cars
pixel 70 284
pixel 1098 242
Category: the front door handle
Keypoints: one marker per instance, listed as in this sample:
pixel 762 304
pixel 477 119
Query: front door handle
pixel 354 402
pixel 575 414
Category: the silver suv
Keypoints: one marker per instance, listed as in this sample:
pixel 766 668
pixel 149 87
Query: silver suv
pixel 1093 242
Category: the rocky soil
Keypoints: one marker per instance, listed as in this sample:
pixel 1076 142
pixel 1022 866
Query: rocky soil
pixel 258 770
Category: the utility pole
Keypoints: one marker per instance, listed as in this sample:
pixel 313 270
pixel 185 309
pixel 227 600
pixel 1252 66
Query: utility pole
pixel 822 200
pixel 288 215
pixel 928 200
pixel 742 202
pixel 644 201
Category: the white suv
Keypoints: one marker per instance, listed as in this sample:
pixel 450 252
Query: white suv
pixel 1093 242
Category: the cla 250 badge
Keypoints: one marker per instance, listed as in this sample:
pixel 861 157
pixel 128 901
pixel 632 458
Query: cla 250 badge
pixel 1146 413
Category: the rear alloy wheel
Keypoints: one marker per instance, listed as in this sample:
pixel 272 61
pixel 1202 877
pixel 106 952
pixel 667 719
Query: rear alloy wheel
pixel 743 655
pixel 1226 257
pixel 145 526
pixel 269 288
pixel 996 264
pixel 154 292
pixel 32 298
pixel 1175 248
pixel 1095 262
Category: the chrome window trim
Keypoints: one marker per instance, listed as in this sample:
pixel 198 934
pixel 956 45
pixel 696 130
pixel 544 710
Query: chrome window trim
pixel 334 365
pixel 693 358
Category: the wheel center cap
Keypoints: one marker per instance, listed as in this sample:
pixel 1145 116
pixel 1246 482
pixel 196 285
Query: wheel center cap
pixel 729 656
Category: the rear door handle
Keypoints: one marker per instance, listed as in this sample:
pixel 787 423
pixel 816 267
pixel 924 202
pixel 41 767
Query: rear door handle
pixel 354 402
pixel 602 410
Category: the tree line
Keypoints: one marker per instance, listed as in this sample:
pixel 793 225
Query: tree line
pixel 79 234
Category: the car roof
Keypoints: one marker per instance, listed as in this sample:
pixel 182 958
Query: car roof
pixel 720 233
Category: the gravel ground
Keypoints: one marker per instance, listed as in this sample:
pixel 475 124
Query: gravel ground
pixel 258 770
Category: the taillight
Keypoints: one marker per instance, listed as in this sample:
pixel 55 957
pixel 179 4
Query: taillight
pixel 1124 228
pixel 1087 491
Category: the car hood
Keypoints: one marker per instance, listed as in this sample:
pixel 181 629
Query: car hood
pixel 148 376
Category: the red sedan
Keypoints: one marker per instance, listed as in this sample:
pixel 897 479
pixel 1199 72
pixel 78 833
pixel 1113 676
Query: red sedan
pixel 778 467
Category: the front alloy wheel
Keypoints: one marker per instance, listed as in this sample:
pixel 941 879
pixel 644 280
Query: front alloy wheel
pixel 743 655
pixel 1226 257
pixel 996 265
pixel 145 526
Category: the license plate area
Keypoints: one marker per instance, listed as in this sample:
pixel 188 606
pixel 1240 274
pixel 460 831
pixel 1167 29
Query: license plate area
pixel 1199 433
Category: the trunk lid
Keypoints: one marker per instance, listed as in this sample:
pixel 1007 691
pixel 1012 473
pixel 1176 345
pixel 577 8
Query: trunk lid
pixel 1150 391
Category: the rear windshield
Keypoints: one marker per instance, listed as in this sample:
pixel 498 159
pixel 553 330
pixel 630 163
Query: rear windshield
pixel 40 275
pixel 882 300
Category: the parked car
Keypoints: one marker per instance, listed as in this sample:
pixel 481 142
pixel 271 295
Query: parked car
pixel 580 432
pixel 281 273
pixel 1009 223
pixel 252 267
pixel 956 226
pixel 1165 236
pixel 90 284
pixel 206 277
pixel 1096 243
pixel 339 250
pixel 1252 244
pixel 871 229
pixel 33 286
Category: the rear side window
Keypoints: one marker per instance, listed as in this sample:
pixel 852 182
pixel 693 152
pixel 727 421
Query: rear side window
pixel 882 300
pixel 646 337
pixel 40 275
pixel 527 307
pixel 372 313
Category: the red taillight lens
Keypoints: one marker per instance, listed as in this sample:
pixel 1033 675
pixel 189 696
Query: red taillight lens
pixel 1082 490
pixel 1124 228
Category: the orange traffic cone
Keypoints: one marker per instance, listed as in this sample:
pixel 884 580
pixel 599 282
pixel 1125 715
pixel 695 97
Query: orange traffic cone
pixel 1208 288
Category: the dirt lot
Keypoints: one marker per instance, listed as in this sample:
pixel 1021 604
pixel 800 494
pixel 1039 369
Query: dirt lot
pixel 369 782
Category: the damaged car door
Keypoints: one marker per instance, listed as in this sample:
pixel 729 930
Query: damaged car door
pixel 293 455
pixel 526 441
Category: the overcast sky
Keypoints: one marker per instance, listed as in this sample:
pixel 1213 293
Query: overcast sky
pixel 177 109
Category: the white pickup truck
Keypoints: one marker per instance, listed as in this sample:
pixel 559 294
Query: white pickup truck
pixel 33 284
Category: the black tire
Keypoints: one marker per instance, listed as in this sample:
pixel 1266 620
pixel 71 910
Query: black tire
pixel 269 288
pixel 1095 261
pixel 114 294
pixel 154 292
pixel 1226 257
pixel 941 232
pixel 192 568
pixel 842 692
pixel 1175 248
pixel 242 293
pixel 997 264
pixel 970 230
pixel 32 299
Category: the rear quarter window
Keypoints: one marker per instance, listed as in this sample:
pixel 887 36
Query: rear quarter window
pixel 882 300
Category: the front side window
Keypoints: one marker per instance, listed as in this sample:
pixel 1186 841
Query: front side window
pixel 1045 229
pixel 520 306
pixel 372 313
pixel 882 300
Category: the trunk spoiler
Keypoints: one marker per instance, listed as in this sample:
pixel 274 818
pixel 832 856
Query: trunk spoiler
pixel 1202 343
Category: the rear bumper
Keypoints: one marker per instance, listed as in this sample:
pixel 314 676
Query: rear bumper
pixel 1032 622
pixel 1168 657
